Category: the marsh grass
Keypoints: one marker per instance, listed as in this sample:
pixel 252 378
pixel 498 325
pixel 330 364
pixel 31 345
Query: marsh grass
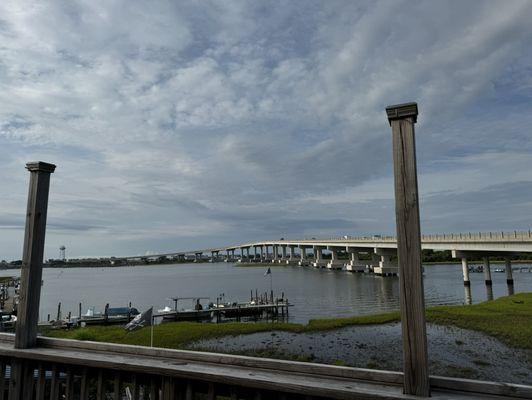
pixel 508 319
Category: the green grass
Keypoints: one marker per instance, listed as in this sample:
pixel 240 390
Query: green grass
pixel 508 319
pixel 178 334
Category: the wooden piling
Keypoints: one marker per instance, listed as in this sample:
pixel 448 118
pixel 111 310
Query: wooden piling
pixel 32 258
pixel 402 118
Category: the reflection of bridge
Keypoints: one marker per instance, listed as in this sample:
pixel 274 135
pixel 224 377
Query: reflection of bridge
pixel 382 251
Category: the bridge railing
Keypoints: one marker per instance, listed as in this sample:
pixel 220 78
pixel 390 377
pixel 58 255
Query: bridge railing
pixel 499 236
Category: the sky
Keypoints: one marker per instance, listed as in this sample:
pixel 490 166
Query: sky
pixel 178 125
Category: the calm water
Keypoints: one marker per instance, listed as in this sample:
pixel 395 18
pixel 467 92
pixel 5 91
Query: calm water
pixel 314 293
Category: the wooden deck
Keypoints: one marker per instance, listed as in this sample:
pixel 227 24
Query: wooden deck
pixel 115 370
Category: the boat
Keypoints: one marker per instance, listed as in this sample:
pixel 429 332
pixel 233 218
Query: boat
pixel 111 315
pixel 476 268
pixel 197 313
pixel 499 269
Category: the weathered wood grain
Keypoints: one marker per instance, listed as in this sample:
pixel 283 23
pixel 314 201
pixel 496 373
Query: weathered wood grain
pixel 84 388
pixel 54 384
pixel 117 386
pixel 2 380
pixel 412 303
pixel 99 386
pixel 70 384
pixel 41 382
pixel 32 255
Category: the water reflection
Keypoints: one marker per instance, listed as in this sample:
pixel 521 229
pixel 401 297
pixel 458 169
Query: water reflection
pixel 489 292
pixel 510 289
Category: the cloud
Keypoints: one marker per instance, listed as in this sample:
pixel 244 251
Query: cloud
pixel 190 124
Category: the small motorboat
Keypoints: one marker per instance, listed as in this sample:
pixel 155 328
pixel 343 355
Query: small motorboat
pixel 198 313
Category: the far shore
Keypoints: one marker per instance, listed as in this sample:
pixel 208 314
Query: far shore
pixel 251 265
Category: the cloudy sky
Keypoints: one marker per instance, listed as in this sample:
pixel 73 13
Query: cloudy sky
pixel 178 125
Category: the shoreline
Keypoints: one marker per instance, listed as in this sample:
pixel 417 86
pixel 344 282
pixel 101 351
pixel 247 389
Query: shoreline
pixel 249 265
pixel 506 319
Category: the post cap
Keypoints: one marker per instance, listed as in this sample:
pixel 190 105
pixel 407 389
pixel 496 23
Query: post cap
pixel 40 166
pixel 400 111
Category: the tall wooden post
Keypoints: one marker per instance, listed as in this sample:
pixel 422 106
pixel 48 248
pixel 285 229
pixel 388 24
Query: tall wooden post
pixel 402 118
pixel 32 257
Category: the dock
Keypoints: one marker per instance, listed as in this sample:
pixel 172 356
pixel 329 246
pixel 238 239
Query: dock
pixel 263 307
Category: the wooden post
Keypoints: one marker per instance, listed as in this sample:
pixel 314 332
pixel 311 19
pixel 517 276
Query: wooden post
pixel 402 118
pixel 32 257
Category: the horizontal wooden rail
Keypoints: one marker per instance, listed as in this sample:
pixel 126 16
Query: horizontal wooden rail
pixel 61 368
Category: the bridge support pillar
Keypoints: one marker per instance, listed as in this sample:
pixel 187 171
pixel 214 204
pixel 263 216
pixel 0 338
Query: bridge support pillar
pixel 283 255
pixel 386 266
pixel 275 251
pixel 467 295
pixel 292 253
pixel 487 271
pixel 303 254
pixel 334 263
pixel 465 271
pixel 373 263
pixel 354 264
pixel 318 257
pixel 508 270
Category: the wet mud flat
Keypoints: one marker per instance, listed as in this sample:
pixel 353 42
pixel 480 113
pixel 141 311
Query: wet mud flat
pixel 452 351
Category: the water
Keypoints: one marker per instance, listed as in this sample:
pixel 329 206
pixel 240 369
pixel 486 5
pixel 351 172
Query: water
pixel 315 293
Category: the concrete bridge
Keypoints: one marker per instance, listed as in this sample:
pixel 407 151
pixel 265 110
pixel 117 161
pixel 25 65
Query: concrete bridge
pixel 382 251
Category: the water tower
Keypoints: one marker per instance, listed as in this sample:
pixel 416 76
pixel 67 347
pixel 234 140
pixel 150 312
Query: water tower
pixel 62 254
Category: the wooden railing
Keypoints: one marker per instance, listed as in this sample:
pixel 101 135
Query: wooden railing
pixel 70 369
